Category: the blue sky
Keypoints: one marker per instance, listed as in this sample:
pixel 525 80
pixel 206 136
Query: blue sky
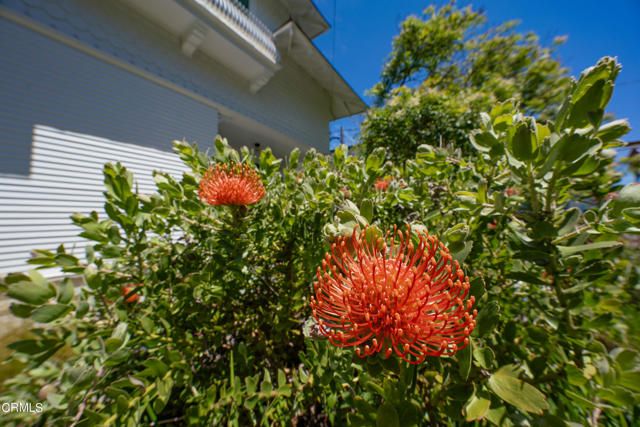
pixel 363 30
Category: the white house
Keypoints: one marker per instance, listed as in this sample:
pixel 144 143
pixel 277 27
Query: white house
pixel 83 82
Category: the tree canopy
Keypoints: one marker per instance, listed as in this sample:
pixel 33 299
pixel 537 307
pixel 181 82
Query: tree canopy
pixel 446 66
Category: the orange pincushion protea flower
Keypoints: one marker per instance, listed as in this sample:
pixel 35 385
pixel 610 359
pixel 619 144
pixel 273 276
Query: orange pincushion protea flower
pixel 127 293
pixel 382 183
pixel 394 297
pixel 237 184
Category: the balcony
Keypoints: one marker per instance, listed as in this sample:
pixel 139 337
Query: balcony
pixel 223 30
pixel 244 24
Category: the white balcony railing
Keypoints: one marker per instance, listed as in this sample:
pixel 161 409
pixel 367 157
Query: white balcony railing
pixel 246 24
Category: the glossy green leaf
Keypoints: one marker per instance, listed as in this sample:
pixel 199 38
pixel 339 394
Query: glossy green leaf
pixel 520 394
pixel 366 210
pixel 630 380
pixel 484 357
pixel 487 319
pixel 387 416
pixel 65 291
pixel 30 292
pixel 524 142
pixel 50 312
pixel 570 250
pixel 476 408
pixel 339 155
pixel 613 130
pixel 464 360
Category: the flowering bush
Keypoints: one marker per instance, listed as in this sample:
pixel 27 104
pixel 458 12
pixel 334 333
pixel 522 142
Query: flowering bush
pixel 278 297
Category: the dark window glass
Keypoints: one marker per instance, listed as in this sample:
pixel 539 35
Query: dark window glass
pixel 245 3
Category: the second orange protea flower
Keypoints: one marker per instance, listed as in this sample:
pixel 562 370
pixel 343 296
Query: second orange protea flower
pixel 382 183
pixel 393 296
pixel 237 184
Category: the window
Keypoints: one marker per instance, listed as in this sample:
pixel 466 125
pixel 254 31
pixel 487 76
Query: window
pixel 245 3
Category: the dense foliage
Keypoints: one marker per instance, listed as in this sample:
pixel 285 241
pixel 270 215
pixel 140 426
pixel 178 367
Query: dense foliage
pixel 222 332
pixel 447 67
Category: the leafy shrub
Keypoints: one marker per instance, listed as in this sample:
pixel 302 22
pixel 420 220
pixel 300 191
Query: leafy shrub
pixel 222 331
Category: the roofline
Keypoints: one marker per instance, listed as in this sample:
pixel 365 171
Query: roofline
pixel 312 6
pixel 313 3
pixel 357 102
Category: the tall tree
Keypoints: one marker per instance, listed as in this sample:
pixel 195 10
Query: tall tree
pixel 446 66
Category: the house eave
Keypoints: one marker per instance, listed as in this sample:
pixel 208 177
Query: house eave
pixel 308 17
pixel 294 44
pixel 221 30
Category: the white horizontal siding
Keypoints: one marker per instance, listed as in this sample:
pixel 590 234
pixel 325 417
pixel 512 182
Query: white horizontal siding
pixel 34 212
pixel 63 115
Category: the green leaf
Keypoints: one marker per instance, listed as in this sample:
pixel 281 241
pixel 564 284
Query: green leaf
pixel 31 346
pixel 366 210
pixel 251 383
pixel 520 394
pixel 569 221
pixel 50 312
pixel 364 408
pixel 266 387
pixel 464 360
pixel 526 277
pixel 387 416
pixel 613 130
pixel 524 141
pixel 582 167
pixel 498 416
pixel 592 93
pixel 157 366
pixel 627 359
pixel 374 162
pixel 65 291
pixel 112 344
pixel 574 146
pixel 293 158
pixel 282 378
pixel 628 197
pixel 483 141
pixel 575 376
pixel 147 324
pixel 21 310
pixel 476 288
pixel 632 215
pixel 66 260
pixel 585 403
pixel 30 292
pixel 487 319
pixel 565 251
pixel 630 380
pixel 461 254
pixel 537 334
pixel 457 233
pixel 618 396
pixel 251 402
pixel 339 155
pixel 476 408
pixel 484 357
pixel 409 413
